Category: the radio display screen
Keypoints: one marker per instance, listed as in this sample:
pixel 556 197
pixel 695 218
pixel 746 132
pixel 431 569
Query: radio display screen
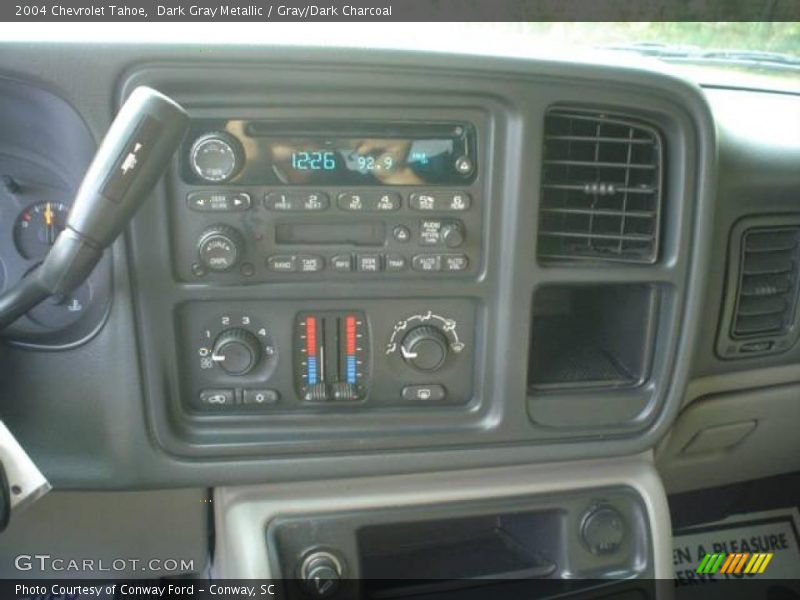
pixel 379 161
pixel 363 154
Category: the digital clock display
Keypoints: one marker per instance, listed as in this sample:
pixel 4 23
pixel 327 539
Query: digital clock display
pixel 392 161
pixel 314 160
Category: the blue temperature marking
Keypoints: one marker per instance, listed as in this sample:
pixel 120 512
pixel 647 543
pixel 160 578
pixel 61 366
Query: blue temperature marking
pixel 351 369
pixel 312 370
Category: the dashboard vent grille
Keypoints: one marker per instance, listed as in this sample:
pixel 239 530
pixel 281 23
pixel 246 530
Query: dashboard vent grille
pixel 601 188
pixel 768 282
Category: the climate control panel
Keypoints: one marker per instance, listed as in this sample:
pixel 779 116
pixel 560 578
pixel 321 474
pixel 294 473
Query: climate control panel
pixel 331 356
pixel 278 356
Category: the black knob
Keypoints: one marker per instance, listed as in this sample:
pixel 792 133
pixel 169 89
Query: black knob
pixel 602 529
pixel 321 573
pixel 216 157
pixel 220 248
pixel 424 348
pixel 453 234
pixel 237 351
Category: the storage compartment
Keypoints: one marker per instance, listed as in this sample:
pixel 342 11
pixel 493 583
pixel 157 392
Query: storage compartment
pixel 405 558
pixel 591 335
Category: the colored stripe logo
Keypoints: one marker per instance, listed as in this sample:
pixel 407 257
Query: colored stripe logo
pixel 733 564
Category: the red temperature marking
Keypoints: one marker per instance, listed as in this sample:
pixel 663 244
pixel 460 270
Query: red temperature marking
pixel 350 334
pixel 311 336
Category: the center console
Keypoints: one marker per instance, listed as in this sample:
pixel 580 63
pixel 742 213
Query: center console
pixel 436 307
pixel 561 530
pixel 272 200
pixel 351 262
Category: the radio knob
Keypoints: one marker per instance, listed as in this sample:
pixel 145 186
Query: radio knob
pixel 424 348
pixel 236 351
pixel 216 157
pixel 453 234
pixel 220 247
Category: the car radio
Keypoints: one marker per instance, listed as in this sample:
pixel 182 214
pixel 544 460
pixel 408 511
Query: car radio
pixel 283 200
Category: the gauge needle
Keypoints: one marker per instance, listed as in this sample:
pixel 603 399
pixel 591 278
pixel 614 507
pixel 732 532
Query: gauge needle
pixel 48 221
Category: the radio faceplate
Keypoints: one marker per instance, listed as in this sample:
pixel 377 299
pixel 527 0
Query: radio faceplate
pixel 264 200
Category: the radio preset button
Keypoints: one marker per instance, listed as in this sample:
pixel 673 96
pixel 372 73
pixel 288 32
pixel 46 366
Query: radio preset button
pixel 458 201
pixel 296 201
pixel 310 264
pixel 369 201
pixel 396 262
pixel 342 263
pixel 218 201
pixel 386 202
pixel 440 201
pixel 282 263
pixel 368 263
pixel 427 262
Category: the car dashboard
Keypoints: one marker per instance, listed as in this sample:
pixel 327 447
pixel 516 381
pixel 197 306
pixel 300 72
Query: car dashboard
pixel 540 277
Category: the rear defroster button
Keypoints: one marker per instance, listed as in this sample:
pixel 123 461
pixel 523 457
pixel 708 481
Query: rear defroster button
pixel 260 397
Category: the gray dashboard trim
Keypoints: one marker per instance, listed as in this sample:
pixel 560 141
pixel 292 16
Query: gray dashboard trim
pixel 112 445
pixel 242 514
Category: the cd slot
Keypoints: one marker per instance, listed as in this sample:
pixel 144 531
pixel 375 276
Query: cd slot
pixel 349 129
pixel 369 233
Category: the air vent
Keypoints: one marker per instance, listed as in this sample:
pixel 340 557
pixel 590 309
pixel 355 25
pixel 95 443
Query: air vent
pixel 767 296
pixel 601 188
pixel 763 284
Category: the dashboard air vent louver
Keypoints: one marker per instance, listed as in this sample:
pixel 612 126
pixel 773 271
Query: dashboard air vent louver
pixel 601 187
pixel 768 282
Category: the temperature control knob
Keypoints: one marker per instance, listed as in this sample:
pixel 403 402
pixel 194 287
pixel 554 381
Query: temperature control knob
pixel 216 157
pixel 237 351
pixel 424 348
pixel 220 247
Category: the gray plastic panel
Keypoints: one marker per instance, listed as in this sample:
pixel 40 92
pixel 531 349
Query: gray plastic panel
pixel 550 529
pixel 499 385
pixel 759 150
pixel 245 514
pixel 118 420
pixel 109 527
